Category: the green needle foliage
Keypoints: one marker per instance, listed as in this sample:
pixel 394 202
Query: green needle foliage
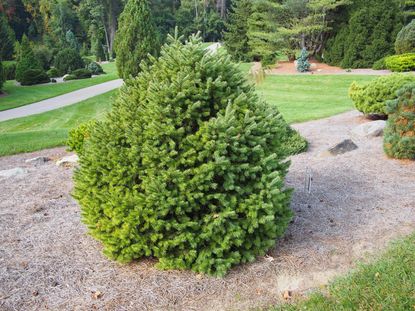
pixel 399 139
pixel 405 41
pixel 136 38
pixel 2 76
pixel 27 60
pixel 303 64
pixel 188 167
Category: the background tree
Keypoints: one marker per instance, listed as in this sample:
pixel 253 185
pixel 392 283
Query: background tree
pixel 408 7
pixel 6 39
pixel 2 77
pixel 27 60
pixel 236 34
pixel 136 37
pixel 405 41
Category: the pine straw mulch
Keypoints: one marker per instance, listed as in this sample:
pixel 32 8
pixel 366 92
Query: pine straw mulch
pixel 359 201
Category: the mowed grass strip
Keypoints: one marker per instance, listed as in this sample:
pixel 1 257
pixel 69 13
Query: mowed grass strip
pixel 386 284
pixel 299 98
pixel 17 96
pixel 50 129
pixel 307 97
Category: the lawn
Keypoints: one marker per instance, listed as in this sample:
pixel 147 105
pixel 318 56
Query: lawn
pixel 50 129
pixel 23 95
pixel 308 97
pixel 386 284
pixel 299 98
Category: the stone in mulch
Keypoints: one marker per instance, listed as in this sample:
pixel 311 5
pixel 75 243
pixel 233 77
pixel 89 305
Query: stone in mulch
pixel 17 171
pixel 69 160
pixel 38 160
pixel 369 130
pixel 343 147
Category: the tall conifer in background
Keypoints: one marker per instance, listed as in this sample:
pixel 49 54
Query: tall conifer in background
pixel 136 38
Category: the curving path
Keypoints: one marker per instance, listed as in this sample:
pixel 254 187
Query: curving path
pixel 60 101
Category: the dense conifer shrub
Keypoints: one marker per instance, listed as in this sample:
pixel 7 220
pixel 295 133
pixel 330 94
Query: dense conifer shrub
pixel 188 167
pixel 399 138
pixel 371 98
pixel 9 70
pixel 79 74
pixel 401 63
pixel 303 64
pixel 405 41
pixel 79 135
pixel 67 61
pixel 95 68
pixel 368 35
pixel 53 73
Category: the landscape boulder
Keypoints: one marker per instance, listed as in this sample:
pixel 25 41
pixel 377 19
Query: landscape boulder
pixel 369 130
pixel 38 160
pixel 345 146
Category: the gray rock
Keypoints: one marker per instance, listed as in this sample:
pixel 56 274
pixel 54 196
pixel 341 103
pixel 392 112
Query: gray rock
pixel 369 130
pixel 38 160
pixel 17 171
pixel 343 147
pixel 73 159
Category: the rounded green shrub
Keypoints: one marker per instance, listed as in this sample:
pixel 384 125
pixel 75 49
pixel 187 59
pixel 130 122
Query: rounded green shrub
pixel 34 76
pixel 67 61
pixel 371 98
pixel 95 68
pixel 405 41
pixel 53 72
pixel 188 167
pixel 401 63
pixel 79 74
pixel 399 138
pixel 380 64
pixel 79 135
pixel 9 70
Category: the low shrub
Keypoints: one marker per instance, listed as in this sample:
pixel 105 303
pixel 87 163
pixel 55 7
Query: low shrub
pixel 43 55
pixel 2 79
pixel 34 76
pixel 399 138
pixel 68 60
pixel 53 72
pixel 405 41
pixel 87 61
pixel 401 63
pixel 380 64
pixel 9 70
pixel 371 98
pixel 95 68
pixel 188 167
pixel 79 74
pixel 78 136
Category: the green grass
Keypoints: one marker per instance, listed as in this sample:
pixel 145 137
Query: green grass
pixel 299 98
pixel 50 129
pixel 23 95
pixel 309 97
pixel 388 284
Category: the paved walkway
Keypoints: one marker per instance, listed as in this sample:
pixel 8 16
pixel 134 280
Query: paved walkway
pixel 60 101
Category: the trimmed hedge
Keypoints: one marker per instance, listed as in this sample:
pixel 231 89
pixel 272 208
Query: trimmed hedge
pixel 401 63
pixel 371 98
pixel 188 167
pixel 34 76
pixel 399 138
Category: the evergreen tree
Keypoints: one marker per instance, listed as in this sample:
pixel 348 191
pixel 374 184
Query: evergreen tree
pixel 368 36
pixel 405 41
pixel 6 39
pixel 136 37
pixel 236 34
pixel 399 138
pixel 188 167
pixel 302 62
pixel 71 41
pixel 263 37
pixel 408 7
pixel 27 60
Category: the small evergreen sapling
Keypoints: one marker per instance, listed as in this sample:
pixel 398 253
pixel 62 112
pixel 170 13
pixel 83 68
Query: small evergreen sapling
pixel 188 167
pixel 399 138
pixel 302 62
